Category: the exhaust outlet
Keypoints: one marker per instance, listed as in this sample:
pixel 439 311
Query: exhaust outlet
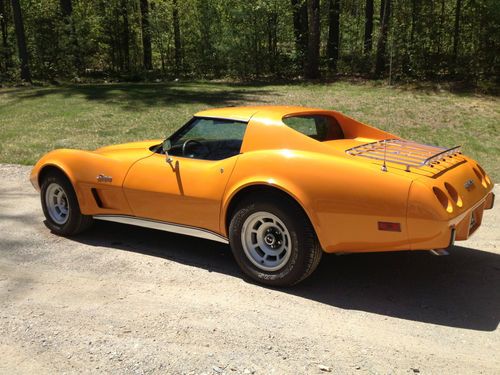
pixel 439 252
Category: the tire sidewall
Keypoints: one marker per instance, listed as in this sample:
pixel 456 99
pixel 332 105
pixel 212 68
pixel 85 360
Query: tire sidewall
pixel 70 224
pixel 293 270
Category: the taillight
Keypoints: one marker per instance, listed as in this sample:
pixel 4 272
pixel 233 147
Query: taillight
pixel 483 173
pixel 479 176
pixel 455 197
pixel 443 199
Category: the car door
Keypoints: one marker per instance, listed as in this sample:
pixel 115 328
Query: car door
pixel 188 189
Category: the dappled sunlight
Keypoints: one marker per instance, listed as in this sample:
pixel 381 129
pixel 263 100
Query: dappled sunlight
pixel 139 96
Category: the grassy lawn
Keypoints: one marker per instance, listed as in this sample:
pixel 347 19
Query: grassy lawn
pixel 36 120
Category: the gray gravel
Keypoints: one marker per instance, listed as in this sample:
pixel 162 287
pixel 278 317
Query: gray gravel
pixel 121 299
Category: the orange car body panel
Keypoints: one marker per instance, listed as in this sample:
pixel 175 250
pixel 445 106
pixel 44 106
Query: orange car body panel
pixel 344 196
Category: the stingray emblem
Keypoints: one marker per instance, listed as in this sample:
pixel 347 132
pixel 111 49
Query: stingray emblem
pixel 103 178
pixel 469 184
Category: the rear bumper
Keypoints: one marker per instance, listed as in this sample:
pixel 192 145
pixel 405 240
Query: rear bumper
pixel 437 234
pixel 490 201
pixel 470 221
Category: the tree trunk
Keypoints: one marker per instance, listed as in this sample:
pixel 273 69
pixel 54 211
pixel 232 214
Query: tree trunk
pixel 146 36
pixel 177 37
pixel 333 34
pixel 5 40
pixel 67 15
pixel 272 39
pixel 21 41
pixel 66 8
pixel 441 29
pixel 368 27
pixel 125 36
pixel 300 30
pixel 456 31
pixel 385 14
pixel 312 63
pixel 415 14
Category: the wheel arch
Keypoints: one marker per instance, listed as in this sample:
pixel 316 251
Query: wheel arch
pixel 48 168
pixel 262 188
pixel 39 173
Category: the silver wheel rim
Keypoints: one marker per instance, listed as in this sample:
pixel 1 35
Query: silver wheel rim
pixel 266 241
pixel 57 203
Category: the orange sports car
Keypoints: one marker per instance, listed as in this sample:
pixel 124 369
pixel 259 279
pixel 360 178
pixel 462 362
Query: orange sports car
pixel 280 184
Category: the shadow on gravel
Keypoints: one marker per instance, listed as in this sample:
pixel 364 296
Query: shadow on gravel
pixel 461 290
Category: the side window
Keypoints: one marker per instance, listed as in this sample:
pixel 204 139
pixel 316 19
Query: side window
pixel 214 129
pixel 209 139
pixel 319 127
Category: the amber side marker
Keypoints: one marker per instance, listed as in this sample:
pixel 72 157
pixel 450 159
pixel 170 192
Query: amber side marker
pixel 391 227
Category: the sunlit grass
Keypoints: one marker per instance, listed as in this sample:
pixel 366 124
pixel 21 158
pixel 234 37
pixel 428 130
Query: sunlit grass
pixel 36 120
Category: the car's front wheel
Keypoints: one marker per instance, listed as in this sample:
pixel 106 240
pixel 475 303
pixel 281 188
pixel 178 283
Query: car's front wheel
pixel 273 242
pixel 60 206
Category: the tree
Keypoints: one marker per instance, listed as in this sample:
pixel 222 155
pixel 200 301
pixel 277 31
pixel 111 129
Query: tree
pixel 422 39
pixel 67 16
pixel 333 34
pixel 125 36
pixel 456 31
pixel 368 27
pixel 272 39
pixel 300 30
pixel 385 14
pixel 5 42
pixel 21 40
pixel 312 63
pixel 66 8
pixel 177 37
pixel 146 36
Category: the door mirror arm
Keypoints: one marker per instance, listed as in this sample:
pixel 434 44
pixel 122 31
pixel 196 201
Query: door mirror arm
pixel 166 146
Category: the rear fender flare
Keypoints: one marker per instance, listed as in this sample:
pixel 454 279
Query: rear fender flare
pixel 286 187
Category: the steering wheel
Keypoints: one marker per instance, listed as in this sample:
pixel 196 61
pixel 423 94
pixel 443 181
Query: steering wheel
pixel 187 141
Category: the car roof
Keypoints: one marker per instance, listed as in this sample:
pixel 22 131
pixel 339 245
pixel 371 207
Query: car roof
pixel 246 113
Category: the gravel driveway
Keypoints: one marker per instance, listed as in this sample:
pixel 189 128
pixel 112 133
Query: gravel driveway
pixel 121 299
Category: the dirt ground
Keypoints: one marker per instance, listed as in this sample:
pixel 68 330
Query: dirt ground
pixel 121 299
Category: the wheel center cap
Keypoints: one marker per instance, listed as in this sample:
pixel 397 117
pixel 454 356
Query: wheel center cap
pixel 269 239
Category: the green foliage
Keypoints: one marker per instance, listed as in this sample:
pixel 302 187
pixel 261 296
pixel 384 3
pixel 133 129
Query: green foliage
pixel 427 40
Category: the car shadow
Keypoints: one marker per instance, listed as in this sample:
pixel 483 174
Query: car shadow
pixel 461 290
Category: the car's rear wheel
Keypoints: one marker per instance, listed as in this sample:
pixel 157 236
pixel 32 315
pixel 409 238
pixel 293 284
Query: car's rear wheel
pixel 60 206
pixel 274 242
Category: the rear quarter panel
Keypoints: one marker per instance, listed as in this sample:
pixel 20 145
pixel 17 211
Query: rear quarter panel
pixel 343 199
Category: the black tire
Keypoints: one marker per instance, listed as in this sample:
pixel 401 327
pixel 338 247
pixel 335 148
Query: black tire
pixel 305 250
pixel 76 222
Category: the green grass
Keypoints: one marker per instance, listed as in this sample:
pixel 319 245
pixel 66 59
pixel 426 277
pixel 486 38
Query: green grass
pixel 36 120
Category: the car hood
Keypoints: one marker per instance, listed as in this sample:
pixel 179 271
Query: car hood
pixel 138 149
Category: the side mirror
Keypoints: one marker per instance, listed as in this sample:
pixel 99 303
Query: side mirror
pixel 166 146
